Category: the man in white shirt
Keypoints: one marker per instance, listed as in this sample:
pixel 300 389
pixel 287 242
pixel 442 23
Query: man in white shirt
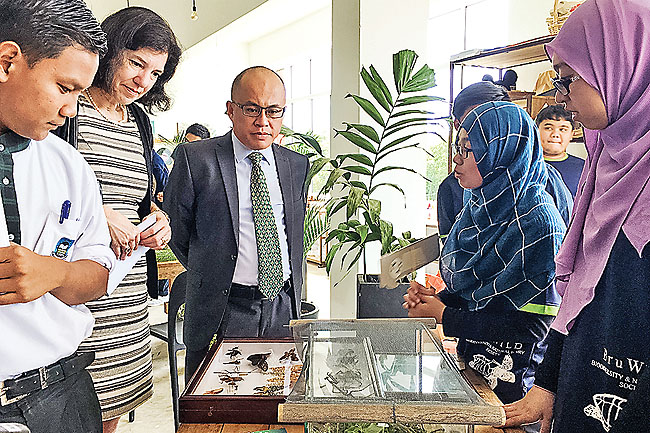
pixel 237 210
pixel 59 256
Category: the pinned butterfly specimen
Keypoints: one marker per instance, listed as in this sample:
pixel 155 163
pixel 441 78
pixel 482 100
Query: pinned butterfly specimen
pixel 291 354
pixel 213 391
pixel 259 360
pixel 234 352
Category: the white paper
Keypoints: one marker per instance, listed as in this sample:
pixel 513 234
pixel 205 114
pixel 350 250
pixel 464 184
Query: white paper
pixel 122 267
pixel 398 264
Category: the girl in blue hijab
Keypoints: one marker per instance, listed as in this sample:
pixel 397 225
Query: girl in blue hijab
pixel 497 261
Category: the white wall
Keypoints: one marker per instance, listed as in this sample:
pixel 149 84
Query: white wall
pixel 271 35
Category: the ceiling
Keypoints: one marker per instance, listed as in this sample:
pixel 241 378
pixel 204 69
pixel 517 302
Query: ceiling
pixel 213 14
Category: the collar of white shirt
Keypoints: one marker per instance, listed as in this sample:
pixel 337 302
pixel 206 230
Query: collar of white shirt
pixel 242 152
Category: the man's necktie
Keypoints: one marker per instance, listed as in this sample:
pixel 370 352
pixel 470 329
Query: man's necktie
pixel 266 232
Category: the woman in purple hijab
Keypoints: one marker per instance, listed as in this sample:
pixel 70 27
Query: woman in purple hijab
pixel 595 376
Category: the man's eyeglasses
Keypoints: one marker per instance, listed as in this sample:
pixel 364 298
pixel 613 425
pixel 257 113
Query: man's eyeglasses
pixel 461 150
pixel 562 84
pixel 253 110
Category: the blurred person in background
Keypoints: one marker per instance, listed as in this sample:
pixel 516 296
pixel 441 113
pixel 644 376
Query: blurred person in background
pixel 556 130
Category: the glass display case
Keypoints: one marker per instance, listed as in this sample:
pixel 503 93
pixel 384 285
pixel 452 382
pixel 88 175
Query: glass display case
pixel 380 370
pixel 241 381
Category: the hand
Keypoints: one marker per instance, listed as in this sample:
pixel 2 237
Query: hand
pixel 537 405
pixel 125 236
pixel 157 236
pixel 25 275
pixel 412 296
pixel 160 196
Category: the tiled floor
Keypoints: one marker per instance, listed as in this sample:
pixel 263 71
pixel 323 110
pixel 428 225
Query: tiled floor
pixel 155 416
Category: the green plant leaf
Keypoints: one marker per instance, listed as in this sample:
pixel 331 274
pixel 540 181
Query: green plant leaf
pixel 392 131
pixel 360 184
pixel 403 63
pixel 400 140
pixel 375 90
pixel 358 140
pixel 422 80
pixel 394 167
pixel 330 256
pixel 331 180
pixel 315 168
pixel 410 120
pixel 353 201
pixel 382 85
pixel 366 130
pixel 374 207
pixel 424 112
pixel 417 100
pixel 358 157
pixel 386 229
pixel 392 185
pixel 368 107
pixel 357 169
pixel 353 223
pixel 332 234
pixel 354 260
pixel 316 225
pixel 395 149
pixel 363 232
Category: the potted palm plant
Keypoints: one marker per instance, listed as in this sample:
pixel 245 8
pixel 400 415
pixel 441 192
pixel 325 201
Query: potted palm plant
pixel 316 224
pixel 399 117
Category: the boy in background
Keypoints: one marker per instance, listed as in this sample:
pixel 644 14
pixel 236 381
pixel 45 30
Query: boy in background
pixel 556 129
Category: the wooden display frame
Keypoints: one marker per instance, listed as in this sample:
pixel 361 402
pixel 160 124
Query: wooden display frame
pixel 223 408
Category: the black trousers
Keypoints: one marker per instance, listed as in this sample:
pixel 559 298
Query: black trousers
pixel 69 406
pixel 246 317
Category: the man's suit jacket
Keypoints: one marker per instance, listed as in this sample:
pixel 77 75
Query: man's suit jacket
pixel 202 202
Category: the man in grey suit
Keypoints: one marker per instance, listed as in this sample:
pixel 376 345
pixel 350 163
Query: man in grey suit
pixel 237 207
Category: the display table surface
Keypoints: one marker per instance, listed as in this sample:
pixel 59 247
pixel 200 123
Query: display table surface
pixel 477 382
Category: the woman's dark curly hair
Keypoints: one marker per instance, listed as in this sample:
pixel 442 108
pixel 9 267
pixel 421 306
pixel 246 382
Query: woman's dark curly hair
pixel 131 29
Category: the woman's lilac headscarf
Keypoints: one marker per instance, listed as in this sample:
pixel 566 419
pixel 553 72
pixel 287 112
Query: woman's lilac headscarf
pixel 607 42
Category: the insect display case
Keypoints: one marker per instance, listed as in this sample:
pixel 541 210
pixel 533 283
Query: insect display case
pixel 383 371
pixel 241 381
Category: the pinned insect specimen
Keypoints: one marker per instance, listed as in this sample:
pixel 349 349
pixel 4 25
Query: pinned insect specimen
pixel 291 354
pixel 234 352
pixel 268 389
pixel 234 361
pixel 259 360
pixel 213 391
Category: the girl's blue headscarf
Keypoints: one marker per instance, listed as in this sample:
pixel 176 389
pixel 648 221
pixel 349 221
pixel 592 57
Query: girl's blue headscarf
pixel 505 239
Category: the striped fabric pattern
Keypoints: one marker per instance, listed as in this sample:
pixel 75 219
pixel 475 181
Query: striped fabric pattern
pixel 505 239
pixel 122 370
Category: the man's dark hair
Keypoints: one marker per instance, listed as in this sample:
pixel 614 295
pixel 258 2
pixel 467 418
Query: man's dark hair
pixel 554 112
pixel 237 81
pixel 44 28
pixel 477 94
pixel 198 130
pixel 131 29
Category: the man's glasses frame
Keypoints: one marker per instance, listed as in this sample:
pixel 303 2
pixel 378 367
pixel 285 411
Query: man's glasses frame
pixel 562 84
pixel 254 110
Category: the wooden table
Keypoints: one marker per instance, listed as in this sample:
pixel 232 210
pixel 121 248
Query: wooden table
pixel 169 270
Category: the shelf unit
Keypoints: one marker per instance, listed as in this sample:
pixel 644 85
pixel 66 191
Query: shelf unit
pixel 510 56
